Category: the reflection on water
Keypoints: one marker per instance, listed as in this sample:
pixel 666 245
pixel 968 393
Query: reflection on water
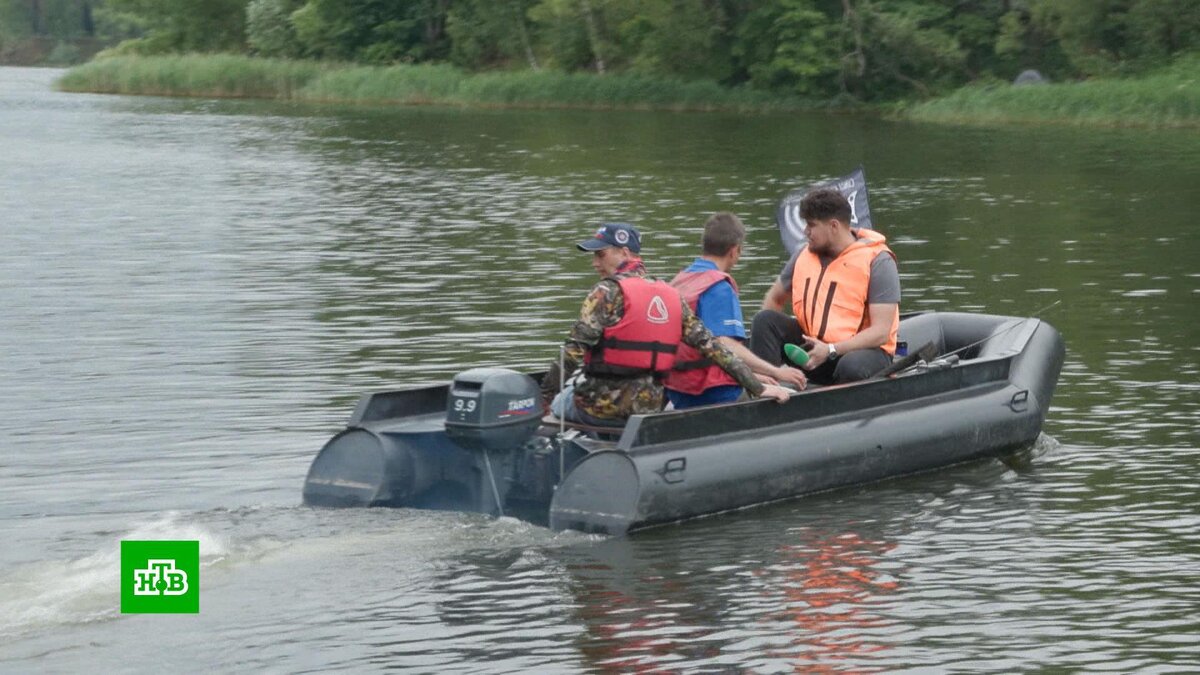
pixel 795 606
pixel 196 292
pixel 829 587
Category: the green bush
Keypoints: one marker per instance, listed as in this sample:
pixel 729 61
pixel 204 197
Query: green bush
pixel 63 54
pixel 221 75
pixel 1167 98
pixel 229 75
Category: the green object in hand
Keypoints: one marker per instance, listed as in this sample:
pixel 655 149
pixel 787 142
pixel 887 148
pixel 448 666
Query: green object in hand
pixel 795 354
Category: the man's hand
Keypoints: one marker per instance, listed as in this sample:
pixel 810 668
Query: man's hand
pixel 818 352
pixel 765 379
pixel 776 392
pixel 792 376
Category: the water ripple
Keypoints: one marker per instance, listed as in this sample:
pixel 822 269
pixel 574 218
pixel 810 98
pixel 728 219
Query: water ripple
pixel 196 293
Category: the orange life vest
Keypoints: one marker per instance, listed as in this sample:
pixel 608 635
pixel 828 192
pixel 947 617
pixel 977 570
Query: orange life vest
pixel 647 336
pixel 695 372
pixel 831 302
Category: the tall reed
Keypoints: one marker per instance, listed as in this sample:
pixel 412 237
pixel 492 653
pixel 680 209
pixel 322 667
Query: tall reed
pixel 1168 98
pixel 224 75
pixel 212 75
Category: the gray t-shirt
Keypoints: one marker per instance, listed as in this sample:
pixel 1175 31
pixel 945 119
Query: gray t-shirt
pixel 884 288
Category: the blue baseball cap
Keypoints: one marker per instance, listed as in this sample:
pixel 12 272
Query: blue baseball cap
pixel 613 234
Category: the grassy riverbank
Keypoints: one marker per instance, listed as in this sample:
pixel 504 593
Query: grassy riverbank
pixel 246 77
pixel 1167 98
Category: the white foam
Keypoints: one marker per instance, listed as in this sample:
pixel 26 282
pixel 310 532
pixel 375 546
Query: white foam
pixel 54 592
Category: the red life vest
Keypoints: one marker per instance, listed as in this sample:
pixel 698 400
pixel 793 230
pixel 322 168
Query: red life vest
pixel 695 372
pixel 647 336
pixel 831 302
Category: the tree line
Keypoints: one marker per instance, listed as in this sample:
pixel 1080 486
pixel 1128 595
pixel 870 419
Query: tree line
pixel 866 50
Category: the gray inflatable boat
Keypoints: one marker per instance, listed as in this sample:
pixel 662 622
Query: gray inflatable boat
pixel 975 386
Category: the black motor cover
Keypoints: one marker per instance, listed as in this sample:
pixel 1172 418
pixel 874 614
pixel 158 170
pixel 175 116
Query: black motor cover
pixel 492 409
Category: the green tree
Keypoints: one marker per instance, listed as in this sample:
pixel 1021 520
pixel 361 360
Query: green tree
pixel 790 45
pixel 899 48
pixel 564 38
pixel 1023 43
pixel 489 33
pixel 976 25
pixel 685 38
pixel 62 19
pixel 373 31
pixel 1161 29
pixel 869 49
pixel 16 20
pixel 180 25
pixel 1090 32
pixel 269 28
pixel 1108 37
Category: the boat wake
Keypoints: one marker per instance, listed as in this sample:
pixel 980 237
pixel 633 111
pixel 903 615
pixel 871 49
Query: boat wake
pixel 40 596
pixel 35 596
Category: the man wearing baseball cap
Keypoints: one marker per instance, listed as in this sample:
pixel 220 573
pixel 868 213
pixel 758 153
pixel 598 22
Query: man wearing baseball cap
pixel 626 337
pixel 613 235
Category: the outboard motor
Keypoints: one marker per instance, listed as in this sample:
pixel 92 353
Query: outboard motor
pixel 492 409
pixel 461 451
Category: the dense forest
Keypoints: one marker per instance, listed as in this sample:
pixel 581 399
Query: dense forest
pixel 865 50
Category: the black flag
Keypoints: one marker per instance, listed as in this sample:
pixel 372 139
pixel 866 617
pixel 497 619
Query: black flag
pixel 791 225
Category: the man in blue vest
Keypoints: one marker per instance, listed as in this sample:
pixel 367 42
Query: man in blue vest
pixel 626 337
pixel 712 294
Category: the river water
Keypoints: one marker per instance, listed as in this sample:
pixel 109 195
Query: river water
pixel 193 293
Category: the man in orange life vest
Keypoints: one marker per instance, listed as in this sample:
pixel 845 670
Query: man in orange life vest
pixel 844 289
pixel 626 337
pixel 711 293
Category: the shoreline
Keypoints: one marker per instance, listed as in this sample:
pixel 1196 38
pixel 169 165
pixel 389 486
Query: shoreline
pixel 1167 99
pixel 229 76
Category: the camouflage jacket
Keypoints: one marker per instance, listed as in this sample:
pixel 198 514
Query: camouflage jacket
pixel 617 397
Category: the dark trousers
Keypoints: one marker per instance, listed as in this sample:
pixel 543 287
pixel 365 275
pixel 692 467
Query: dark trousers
pixel 770 330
